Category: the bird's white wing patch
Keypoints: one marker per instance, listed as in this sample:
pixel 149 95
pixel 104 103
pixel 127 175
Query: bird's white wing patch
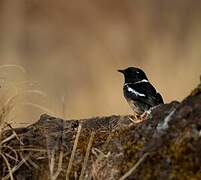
pixel 135 92
pixel 144 80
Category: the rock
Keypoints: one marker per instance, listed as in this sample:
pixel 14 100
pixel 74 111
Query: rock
pixel 165 146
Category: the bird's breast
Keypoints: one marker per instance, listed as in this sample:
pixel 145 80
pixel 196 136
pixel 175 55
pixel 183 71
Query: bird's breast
pixel 135 106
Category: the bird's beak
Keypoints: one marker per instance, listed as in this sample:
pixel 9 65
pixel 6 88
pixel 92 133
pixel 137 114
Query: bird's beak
pixel 121 71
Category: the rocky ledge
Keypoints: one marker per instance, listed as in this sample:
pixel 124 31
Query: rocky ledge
pixel 165 146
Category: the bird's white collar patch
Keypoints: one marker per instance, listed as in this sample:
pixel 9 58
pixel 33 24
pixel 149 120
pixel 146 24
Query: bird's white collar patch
pixel 144 80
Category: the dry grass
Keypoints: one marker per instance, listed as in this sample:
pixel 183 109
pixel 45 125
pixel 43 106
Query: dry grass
pixel 9 100
pixel 54 175
pixel 132 170
pixel 10 154
pixel 6 108
pixel 84 165
pixel 16 95
pixel 73 152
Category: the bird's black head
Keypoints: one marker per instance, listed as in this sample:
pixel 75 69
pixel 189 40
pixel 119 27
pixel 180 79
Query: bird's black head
pixel 133 74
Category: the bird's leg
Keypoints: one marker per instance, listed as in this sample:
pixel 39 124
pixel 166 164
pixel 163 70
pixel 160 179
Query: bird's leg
pixel 147 115
pixel 144 116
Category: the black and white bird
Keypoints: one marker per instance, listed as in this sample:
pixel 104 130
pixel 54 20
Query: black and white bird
pixel 139 93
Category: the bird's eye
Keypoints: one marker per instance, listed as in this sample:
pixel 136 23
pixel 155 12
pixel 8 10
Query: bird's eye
pixel 137 72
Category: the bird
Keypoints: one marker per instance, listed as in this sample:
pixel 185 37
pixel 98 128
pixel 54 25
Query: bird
pixel 139 93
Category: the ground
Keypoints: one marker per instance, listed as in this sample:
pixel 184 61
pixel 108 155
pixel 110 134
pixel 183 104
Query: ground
pixel 165 146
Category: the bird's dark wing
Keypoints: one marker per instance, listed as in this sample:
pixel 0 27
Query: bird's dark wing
pixel 145 93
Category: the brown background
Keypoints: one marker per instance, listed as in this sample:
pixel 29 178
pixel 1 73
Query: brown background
pixel 72 49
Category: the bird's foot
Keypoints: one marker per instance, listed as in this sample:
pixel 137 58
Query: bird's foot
pixel 140 118
pixel 136 119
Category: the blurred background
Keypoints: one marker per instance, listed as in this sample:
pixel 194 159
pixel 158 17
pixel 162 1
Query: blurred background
pixel 70 51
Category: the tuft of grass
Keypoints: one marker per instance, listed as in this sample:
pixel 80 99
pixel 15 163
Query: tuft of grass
pixel 5 109
pixel 10 95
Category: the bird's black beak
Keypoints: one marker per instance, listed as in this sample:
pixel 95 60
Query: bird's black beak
pixel 121 71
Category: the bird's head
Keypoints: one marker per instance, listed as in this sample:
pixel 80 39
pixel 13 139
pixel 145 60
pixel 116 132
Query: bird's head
pixel 132 74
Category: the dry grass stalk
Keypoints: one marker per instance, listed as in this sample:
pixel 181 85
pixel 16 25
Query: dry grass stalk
pixel 8 138
pixel 107 141
pixel 11 157
pixel 32 163
pixel 53 176
pixel 8 166
pixel 31 149
pixel 34 91
pixel 51 162
pixel 13 66
pixel 15 168
pixel 127 174
pixel 43 109
pixel 73 152
pixel 84 165
pixel 14 133
pixel 11 150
